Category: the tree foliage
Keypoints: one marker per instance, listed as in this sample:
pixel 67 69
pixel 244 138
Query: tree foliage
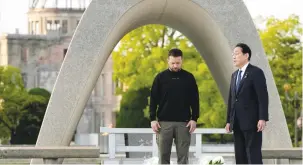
pixel 18 105
pixel 282 44
pixel 29 126
pixel 131 113
pixel 13 96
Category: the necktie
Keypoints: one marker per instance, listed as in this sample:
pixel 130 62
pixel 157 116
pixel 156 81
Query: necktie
pixel 238 80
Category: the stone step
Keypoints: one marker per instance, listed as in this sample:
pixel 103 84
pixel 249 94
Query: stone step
pixel 95 161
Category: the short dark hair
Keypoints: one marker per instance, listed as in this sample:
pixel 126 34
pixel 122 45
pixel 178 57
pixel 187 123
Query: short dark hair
pixel 175 52
pixel 245 49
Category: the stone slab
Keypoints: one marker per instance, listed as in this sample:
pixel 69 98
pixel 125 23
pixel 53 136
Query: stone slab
pixel 283 153
pixel 49 152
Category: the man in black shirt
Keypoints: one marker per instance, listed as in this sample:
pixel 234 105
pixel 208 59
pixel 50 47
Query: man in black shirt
pixel 174 108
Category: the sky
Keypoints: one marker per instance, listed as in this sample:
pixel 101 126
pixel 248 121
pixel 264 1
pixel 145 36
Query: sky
pixel 13 12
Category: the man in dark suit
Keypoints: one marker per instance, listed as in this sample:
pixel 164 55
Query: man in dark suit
pixel 247 110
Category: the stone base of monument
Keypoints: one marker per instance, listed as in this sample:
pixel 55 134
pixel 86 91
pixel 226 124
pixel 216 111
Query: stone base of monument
pixel 74 161
pixel 142 161
pixel 51 161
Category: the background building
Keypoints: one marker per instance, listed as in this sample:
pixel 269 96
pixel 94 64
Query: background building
pixel 40 53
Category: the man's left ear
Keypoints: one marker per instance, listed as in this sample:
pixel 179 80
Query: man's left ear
pixel 246 54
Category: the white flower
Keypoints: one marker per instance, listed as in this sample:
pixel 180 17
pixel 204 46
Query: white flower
pixel 217 160
pixel 211 160
pixel 205 160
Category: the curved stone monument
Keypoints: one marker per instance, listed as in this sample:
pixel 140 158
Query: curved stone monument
pixel 213 26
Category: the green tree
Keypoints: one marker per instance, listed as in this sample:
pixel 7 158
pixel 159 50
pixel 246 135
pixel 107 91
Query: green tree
pixel 13 96
pixel 131 109
pixel 15 100
pixel 281 41
pixel 142 54
pixel 29 125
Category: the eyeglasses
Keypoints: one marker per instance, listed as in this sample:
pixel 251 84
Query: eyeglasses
pixel 237 54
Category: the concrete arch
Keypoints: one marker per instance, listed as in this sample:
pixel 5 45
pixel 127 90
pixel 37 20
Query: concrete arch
pixel 214 27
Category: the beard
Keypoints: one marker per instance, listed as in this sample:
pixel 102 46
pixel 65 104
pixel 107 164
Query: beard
pixel 175 69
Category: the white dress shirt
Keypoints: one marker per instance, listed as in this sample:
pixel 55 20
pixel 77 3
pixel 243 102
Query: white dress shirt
pixel 243 69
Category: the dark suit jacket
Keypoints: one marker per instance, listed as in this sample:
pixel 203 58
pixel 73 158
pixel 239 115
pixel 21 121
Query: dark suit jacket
pixel 250 103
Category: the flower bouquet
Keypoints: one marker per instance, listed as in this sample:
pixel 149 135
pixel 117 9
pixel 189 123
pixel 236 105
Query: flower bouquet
pixel 215 160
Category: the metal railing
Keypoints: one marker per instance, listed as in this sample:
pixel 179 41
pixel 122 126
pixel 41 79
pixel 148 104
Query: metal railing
pixel 197 148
